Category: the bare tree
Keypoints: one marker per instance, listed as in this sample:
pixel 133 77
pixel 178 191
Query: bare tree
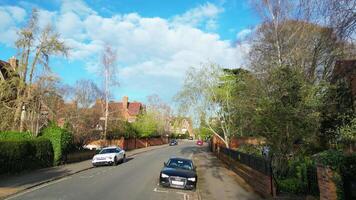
pixel 86 92
pixel 161 111
pixel 108 61
pixel 35 47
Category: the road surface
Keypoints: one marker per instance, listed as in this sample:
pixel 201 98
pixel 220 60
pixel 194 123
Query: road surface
pixel 135 179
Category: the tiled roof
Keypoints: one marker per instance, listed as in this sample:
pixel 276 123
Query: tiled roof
pixel 134 108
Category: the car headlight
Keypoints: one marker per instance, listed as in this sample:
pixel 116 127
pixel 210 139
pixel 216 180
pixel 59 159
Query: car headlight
pixel 191 179
pixel 164 175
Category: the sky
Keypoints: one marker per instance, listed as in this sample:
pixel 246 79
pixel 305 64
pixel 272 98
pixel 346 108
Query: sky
pixel 156 40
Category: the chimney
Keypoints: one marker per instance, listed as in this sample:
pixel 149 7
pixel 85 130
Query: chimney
pixel 125 102
pixel 14 63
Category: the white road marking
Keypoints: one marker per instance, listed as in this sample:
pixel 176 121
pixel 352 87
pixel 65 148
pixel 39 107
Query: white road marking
pixel 185 195
pixel 38 187
pixel 162 191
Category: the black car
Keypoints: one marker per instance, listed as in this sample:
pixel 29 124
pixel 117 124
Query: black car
pixel 173 142
pixel 178 173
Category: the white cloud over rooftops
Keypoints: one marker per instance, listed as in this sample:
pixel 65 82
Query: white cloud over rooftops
pixel 150 50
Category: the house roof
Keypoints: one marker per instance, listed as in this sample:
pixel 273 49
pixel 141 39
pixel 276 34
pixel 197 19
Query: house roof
pixel 133 108
pixel 4 69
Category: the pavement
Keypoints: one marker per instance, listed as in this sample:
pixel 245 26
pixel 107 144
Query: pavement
pixel 137 179
pixel 216 181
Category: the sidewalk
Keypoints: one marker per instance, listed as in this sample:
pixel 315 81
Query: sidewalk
pixel 16 183
pixel 217 182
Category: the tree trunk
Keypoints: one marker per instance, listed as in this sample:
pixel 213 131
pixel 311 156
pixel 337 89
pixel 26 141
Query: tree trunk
pixel 106 102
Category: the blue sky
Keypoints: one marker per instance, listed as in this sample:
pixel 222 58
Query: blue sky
pixel 156 41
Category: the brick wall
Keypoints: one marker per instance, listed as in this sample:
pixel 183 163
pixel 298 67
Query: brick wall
pixel 129 144
pixel 236 142
pixel 327 186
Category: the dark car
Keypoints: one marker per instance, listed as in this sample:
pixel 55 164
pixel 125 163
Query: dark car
pixel 178 173
pixel 173 142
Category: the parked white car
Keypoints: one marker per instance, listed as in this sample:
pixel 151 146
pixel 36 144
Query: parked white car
pixel 109 156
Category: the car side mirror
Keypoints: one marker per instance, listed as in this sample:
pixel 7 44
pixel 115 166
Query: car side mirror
pixel 165 164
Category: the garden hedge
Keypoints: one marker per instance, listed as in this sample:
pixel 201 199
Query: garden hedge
pixel 25 154
pixel 61 141
pixel 14 135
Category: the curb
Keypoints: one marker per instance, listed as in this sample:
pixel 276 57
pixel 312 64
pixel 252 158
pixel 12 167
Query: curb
pixel 66 175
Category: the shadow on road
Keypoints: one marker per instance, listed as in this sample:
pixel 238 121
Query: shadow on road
pixel 25 178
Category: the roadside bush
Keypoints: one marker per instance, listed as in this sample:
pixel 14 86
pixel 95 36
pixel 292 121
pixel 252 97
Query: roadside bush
pixel 61 141
pixel 251 149
pixel 291 185
pixel 121 129
pixel 14 135
pixel 300 177
pixel 19 155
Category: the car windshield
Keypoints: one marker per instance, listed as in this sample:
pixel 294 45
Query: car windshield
pixel 179 163
pixel 113 150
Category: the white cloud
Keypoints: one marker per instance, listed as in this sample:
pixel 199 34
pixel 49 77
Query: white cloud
pixel 203 15
pixel 78 7
pixel 10 16
pixel 153 53
pixel 243 33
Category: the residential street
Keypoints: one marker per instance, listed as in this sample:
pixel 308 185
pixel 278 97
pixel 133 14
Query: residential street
pixel 135 179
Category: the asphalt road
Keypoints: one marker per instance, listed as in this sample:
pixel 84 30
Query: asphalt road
pixel 135 179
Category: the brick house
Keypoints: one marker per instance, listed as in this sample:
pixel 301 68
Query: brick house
pixel 128 111
pixel 8 69
pixel 181 125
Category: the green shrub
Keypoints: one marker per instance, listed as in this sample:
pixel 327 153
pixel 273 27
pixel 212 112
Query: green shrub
pixel 61 141
pixel 299 177
pixel 13 135
pixel 25 154
pixel 292 185
pixel 251 149
pixel 331 158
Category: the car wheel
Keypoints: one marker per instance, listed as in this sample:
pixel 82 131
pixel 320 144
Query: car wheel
pixel 115 162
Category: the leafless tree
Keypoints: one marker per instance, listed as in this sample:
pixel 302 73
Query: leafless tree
pixel 35 47
pixel 108 61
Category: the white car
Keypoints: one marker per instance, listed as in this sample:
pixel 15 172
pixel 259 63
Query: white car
pixel 109 156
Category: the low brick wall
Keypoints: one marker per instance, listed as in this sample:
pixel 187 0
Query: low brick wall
pixel 132 143
pixel 236 142
pixel 327 186
pixel 260 182
pixel 79 156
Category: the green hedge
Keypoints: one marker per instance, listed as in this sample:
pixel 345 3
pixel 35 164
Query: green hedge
pixel 61 141
pixel 13 135
pixel 25 154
